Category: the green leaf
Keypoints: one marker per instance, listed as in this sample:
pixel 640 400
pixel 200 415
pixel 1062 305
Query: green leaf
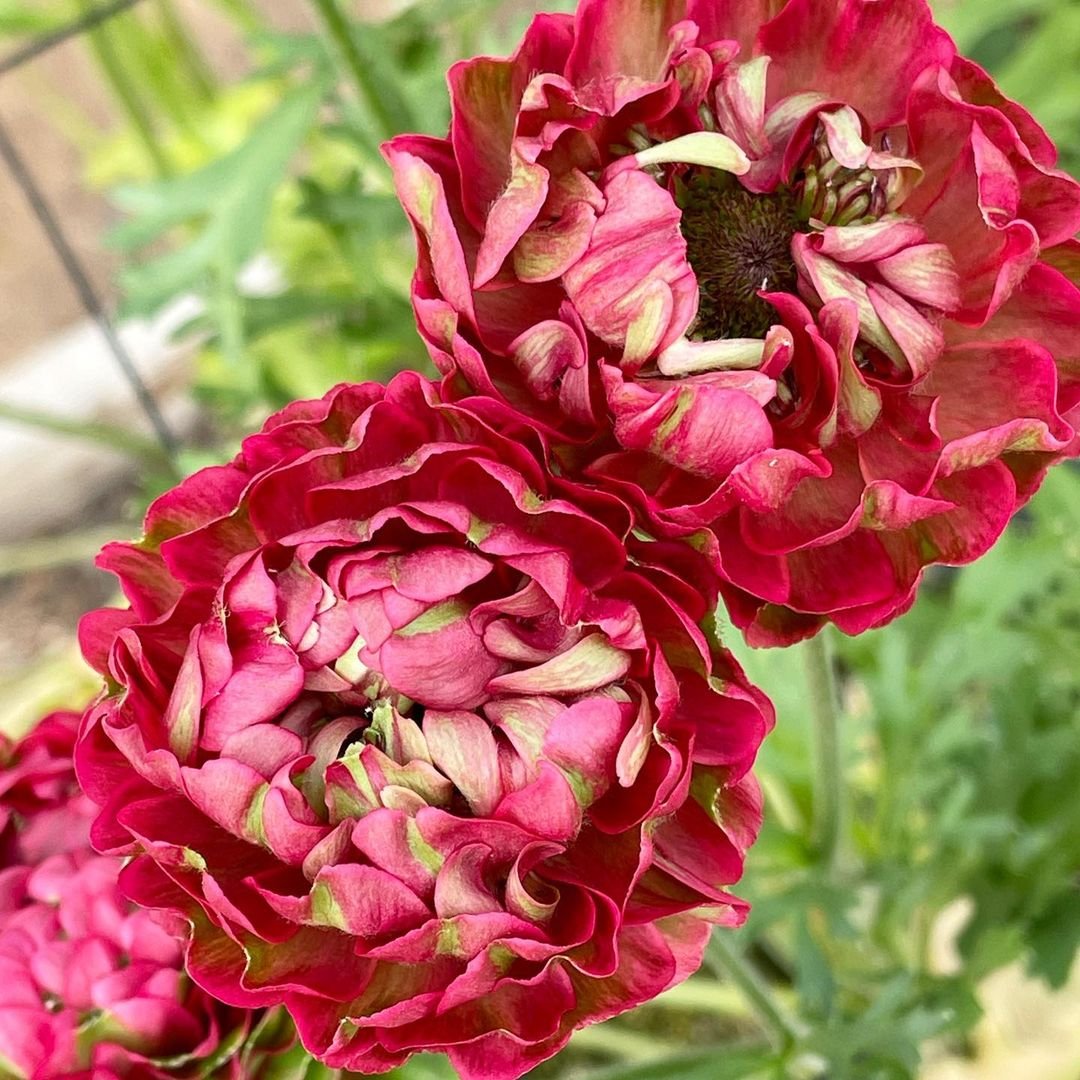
pixel 813 976
pixel 1055 938
pixel 227 203
pixel 425 1067
pixel 348 206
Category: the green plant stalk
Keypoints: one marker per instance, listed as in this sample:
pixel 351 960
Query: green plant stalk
pixel 726 962
pixel 348 56
pixel 127 94
pixel 825 727
pixel 614 1040
pixel 182 43
pixel 160 75
pixel 701 995
pixel 45 553
pixel 127 442
pixel 241 13
pixel 229 310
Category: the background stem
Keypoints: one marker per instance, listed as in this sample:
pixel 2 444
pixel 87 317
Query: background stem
pixel 186 50
pixel 128 96
pixel 727 962
pixel 825 726
pixel 339 32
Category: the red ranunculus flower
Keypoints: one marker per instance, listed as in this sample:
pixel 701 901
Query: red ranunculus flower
pixel 90 987
pixel 794 272
pixel 435 757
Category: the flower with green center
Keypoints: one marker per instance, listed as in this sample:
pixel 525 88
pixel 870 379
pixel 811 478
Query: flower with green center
pixel 423 741
pixel 789 274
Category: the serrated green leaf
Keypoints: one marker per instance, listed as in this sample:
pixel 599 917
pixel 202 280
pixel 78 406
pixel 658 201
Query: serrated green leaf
pixel 227 203
pixel 1055 939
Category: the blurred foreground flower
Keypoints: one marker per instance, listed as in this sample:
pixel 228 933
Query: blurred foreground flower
pixel 792 272
pixel 42 810
pixel 89 986
pixel 420 748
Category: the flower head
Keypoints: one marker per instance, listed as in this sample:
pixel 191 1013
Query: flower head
pixel 89 986
pixel 42 810
pixel 794 273
pixel 433 755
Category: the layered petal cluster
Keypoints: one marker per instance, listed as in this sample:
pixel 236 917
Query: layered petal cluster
pixel 90 987
pixel 426 751
pixel 42 810
pixel 794 273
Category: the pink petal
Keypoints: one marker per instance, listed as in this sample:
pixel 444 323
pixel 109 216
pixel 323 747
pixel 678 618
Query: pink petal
pixel 364 901
pixel 836 50
pixel 444 666
pixel 461 887
pixel 925 273
pixel 463 748
pixel 636 245
pixel 623 39
pixel 591 664
pixel 486 95
pixel 697 426
pixel 423 194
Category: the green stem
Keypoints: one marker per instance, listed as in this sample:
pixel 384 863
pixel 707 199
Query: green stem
pixel 726 961
pixel 117 438
pixel 183 45
pixel 617 1041
pixel 46 553
pixel 701 995
pixel 350 59
pixel 828 774
pixel 229 309
pixel 127 94
pixel 242 14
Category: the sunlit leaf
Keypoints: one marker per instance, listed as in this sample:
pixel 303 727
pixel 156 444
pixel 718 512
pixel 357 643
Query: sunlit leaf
pixel 226 203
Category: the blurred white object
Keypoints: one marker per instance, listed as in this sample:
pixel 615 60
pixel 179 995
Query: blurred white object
pixel 47 479
pixel 1027 1032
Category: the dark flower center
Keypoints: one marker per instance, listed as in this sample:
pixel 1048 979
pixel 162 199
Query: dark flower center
pixel 364 733
pixel 354 738
pixel 738 244
pixel 358 734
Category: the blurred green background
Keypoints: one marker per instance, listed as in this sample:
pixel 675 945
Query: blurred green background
pixel 233 147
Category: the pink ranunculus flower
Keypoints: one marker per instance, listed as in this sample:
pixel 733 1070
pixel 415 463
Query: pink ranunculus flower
pixel 42 811
pixel 792 272
pixel 90 987
pixel 426 751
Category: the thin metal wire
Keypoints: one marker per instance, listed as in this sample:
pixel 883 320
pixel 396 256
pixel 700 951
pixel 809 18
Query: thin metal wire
pixel 88 295
pixel 56 37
